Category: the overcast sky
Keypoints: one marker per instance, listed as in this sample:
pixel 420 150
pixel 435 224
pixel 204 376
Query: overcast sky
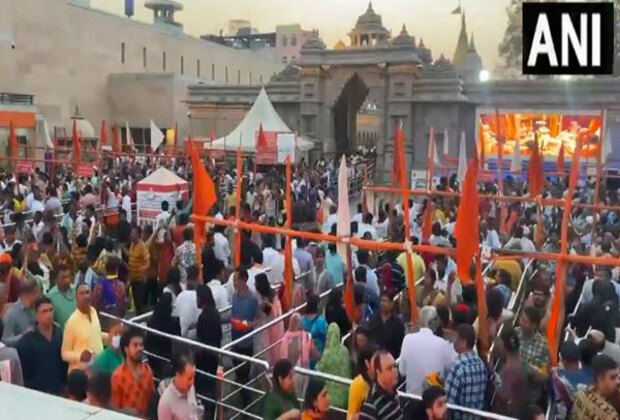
pixel 430 19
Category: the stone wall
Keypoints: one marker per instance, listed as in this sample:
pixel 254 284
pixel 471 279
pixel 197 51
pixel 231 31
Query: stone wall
pixel 64 54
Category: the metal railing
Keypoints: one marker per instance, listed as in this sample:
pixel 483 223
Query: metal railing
pixel 266 366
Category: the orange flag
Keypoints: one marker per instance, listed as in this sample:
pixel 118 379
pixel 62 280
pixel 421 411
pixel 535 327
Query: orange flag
pixel 117 140
pixel 237 254
pixel 535 175
pixel 404 184
pixel 398 175
pixel 427 221
pixel 103 135
pixel 13 146
pixel 466 229
pixel 77 150
pixel 559 164
pixel 261 140
pixel 204 198
pixel 556 318
pixel 288 246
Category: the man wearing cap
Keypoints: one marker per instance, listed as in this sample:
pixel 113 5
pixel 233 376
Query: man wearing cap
pixel 20 317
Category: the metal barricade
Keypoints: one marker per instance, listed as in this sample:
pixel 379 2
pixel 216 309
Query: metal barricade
pixel 266 366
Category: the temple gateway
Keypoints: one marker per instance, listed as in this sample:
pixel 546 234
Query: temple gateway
pixel 356 94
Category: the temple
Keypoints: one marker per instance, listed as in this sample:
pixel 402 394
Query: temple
pixel 326 94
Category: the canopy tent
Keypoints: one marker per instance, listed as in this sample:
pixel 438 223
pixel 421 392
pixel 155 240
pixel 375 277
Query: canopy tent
pixel 244 135
pixel 162 185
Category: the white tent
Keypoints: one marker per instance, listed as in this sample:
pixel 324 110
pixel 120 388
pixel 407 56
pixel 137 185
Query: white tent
pixel 162 185
pixel 244 135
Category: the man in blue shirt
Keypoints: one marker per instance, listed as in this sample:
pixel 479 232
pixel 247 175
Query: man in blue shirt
pixel 243 315
pixel 466 383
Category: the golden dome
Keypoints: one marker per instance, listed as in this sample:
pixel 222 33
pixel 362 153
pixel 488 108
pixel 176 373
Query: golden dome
pixel 339 45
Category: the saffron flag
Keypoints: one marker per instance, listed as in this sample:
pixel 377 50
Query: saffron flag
pixel 288 246
pixel 404 185
pixel 204 198
pixel 397 177
pixel 556 318
pixel 427 221
pixel 559 164
pixel 117 140
pixel 103 135
pixel 13 147
pixel 261 140
pixel 77 150
pixel 466 229
pixel 535 171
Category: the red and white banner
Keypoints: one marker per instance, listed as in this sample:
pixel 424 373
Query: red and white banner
pixel 275 147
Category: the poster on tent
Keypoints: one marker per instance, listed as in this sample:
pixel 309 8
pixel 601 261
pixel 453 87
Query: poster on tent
pixel 150 197
pixel 286 146
pixel 267 153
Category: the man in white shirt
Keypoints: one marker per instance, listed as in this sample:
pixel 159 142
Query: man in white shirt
pixel 490 238
pixel 270 259
pixel 252 272
pixel 220 294
pixel 37 204
pixel 423 352
pixel 162 218
pixel 331 220
pixel 186 308
pixel 126 203
pixel 221 247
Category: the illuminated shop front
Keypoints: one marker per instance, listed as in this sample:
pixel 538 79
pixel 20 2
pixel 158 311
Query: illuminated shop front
pixel 519 128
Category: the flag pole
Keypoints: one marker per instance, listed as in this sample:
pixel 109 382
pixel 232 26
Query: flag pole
pixel 404 183
pixel 500 172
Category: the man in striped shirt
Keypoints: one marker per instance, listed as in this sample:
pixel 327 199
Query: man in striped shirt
pixel 382 401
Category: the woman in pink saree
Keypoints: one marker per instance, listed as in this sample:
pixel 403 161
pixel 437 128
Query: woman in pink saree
pixel 269 309
pixel 297 346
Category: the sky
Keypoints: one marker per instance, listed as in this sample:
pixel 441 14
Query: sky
pixel 429 19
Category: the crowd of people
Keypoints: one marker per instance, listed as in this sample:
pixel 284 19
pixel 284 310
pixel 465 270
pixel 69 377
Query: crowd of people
pixel 74 264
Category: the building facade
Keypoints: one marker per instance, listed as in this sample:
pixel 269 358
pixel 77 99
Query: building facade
pixel 67 54
pixel 289 40
pixel 322 97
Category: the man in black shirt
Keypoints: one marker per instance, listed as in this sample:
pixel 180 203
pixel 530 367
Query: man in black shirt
pixel 39 350
pixel 385 328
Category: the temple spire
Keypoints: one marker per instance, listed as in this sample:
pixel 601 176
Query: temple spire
pixel 460 54
pixel 472 46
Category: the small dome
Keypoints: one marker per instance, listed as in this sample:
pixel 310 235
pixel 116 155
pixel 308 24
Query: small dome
pixel 339 45
pixel 84 128
pixel 403 39
pixel 369 19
